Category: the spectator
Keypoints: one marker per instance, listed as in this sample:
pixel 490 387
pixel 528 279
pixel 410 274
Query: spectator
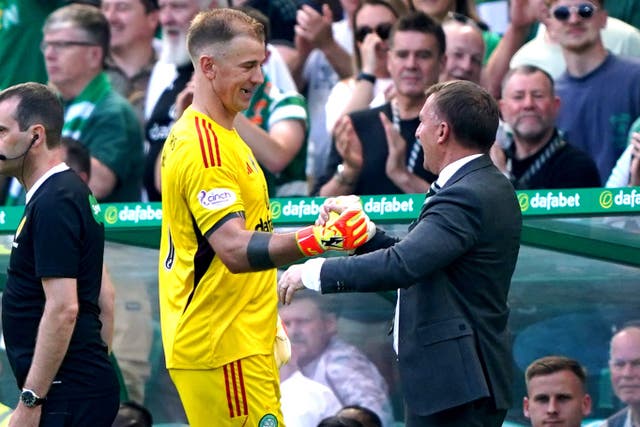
pixel 322 57
pixel 21 31
pixel 361 152
pixel 535 155
pixel 275 127
pixel 627 169
pixel 439 10
pixel 304 402
pixel 75 44
pixel 169 77
pixel 133 25
pixel 556 392
pixel 465 49
pixel 311 323
pixel 372 24
pixel 543 51
pixel 598 127
pixel 624 365
pixel 366 416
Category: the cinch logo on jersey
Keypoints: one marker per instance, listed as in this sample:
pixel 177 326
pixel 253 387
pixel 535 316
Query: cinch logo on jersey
pixel 631 199
pixel 551 201
pixel 127 214
pixel 217 198
pixel 384 205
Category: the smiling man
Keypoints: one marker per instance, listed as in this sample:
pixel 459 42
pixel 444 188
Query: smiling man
pixel 218 252
pixel 556 392
pixel 534 154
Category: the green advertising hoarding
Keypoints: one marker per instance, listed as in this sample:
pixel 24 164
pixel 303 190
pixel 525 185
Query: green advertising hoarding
pixel 382 208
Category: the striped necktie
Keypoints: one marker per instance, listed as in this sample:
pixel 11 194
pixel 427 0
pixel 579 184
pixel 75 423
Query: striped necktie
pixel 432 190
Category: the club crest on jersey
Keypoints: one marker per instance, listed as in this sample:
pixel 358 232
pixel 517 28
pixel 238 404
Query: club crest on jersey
pixel 268 420
pixel 217 198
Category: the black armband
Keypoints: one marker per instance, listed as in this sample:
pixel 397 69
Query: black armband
pixel 258 251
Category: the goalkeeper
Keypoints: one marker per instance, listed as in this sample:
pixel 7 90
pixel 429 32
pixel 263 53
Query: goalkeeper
pixel 218 252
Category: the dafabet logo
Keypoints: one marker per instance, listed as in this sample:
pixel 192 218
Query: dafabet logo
pixel 622 198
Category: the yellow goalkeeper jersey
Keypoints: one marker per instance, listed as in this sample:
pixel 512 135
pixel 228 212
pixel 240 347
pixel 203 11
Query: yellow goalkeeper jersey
pixel 210 316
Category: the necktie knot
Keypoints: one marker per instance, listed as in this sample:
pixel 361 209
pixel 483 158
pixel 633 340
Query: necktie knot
pixel 432 190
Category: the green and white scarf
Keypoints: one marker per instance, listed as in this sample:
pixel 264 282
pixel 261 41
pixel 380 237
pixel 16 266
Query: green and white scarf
pixel 80 108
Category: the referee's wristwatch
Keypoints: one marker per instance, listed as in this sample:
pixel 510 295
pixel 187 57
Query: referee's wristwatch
pixel 30 399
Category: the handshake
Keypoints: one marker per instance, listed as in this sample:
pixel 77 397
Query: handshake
pixel 341 225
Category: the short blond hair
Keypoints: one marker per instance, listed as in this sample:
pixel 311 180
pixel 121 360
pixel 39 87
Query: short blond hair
pixel 217 26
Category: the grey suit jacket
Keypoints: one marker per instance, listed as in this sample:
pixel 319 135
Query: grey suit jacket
pixel 455 267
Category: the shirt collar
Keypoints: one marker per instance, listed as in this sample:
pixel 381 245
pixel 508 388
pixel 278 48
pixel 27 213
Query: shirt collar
pixel 60 167
pixel 452 168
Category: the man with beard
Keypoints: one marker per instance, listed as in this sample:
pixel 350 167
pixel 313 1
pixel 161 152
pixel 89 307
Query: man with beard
pixel 170 75
pixel 535 155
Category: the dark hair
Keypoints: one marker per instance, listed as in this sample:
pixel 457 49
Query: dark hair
pixel 37 104
pixel 220 26
pixel 550 2
pixel 366 416
pixel 89 19
pixel 551 364
pixel 528 70
pixel 336 421
pixel 397 8
pixel 132 414
pixel 469 109
pixel 421 23
pixel 77 155
pixel 150 5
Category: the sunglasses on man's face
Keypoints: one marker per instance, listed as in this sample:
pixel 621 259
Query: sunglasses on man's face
pixel 584 11
pixel 382 30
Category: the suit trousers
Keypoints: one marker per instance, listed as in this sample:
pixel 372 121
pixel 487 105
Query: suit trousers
pixel 479 413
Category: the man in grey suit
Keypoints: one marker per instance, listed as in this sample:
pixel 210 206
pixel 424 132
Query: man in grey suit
pixel 454 268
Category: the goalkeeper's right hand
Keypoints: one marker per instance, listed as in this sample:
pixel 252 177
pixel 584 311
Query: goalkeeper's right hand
pixel 345 231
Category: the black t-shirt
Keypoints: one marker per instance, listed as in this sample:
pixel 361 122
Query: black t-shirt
pixel 568 167
pixel 159 124
pixel 58 236
pixel 373 179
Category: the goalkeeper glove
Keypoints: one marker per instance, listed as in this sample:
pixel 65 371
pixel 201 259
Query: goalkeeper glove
pixel 345 232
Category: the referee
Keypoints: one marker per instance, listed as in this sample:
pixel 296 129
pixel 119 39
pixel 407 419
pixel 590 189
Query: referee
pixel 50 308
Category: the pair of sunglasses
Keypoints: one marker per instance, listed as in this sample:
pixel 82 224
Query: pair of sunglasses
pixel 584 11
pixel 382 30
